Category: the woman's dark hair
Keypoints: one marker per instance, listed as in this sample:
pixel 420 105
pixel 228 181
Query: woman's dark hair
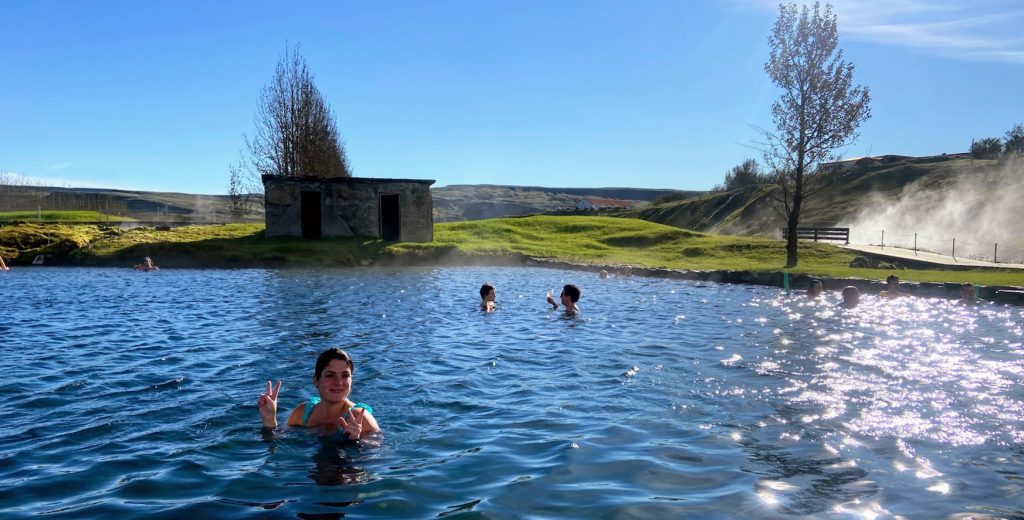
pixel 486 289
pixel 329 355
pixel 573 292
pixel 892 278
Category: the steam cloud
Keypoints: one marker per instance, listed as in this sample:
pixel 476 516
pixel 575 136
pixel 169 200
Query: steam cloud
pixel 981 208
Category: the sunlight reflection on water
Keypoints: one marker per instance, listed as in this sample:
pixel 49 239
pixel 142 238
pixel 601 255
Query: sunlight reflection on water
pixel 131 395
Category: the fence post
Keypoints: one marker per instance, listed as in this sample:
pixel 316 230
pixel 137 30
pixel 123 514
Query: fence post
pixel 995 254
pixel 954 249
pixel 883 239
pixel 915 244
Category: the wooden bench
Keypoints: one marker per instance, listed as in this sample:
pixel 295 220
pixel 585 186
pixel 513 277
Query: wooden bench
pixel 820 233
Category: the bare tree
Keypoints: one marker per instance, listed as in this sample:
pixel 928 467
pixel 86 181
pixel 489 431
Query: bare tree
pixel 244 187
pixel 295 132
pixel 818 111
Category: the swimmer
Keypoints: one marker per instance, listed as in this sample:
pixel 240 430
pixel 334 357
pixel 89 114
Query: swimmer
pixel 3 266
pixel 603 274
pixel 487 298
pixel 570 295
pixel 851 297
pixel 332 410
pixel 892 288
pixel 967 294
pixel 146 265
pixel 814 289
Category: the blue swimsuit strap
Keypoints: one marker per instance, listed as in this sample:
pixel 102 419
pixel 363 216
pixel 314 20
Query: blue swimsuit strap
pixel 313 401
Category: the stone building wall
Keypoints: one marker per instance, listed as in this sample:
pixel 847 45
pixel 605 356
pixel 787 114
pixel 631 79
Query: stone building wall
pixel 349 206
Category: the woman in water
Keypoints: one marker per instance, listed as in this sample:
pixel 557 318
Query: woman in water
pixel 332 410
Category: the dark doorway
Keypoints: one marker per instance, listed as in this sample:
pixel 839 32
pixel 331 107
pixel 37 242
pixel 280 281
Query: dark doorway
pixel 390 221
pixel 311 215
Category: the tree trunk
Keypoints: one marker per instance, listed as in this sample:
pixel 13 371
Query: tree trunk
pixel 794 216
pixel 791 258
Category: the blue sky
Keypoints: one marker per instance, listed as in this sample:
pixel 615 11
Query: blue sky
pixel 156 95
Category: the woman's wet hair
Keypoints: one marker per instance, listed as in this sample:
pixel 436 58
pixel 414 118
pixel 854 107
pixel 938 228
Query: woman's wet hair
pixel 329 355
pixel 573 292
pixel 486 289
pixel 892 278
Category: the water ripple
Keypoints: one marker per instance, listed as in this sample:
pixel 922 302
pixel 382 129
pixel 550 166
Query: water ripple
pixel 133 395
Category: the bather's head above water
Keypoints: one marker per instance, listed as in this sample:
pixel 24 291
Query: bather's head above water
pixel 851 297
pixel 814 289
pixel 333 375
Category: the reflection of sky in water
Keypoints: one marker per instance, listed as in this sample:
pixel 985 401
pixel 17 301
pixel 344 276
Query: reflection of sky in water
pixel 129 394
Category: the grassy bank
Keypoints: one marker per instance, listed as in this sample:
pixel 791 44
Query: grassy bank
pixel 594 240
pixel 59 216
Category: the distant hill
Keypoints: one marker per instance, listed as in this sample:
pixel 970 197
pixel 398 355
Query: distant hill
pixel 141 205
pixel 848 192
pixel 451 203
pixel 853 189
pixel 482 201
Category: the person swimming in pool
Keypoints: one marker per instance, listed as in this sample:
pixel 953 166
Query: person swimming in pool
pixel 851 297
pixel 967 294
pixel 146 265
pixel 569 296
pixel 332 410
pixel 487 298
pixel 814 289
pixel 892 288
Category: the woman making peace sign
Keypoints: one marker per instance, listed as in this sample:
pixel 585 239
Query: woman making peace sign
pixel 331 410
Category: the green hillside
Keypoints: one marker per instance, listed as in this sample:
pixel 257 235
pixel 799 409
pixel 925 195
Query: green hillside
pixel 843 195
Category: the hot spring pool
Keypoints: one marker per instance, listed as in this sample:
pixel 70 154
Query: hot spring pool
pixel 129 394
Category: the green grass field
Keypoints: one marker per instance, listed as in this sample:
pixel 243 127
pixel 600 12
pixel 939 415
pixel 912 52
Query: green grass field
pixel 594 240
pixel 60 216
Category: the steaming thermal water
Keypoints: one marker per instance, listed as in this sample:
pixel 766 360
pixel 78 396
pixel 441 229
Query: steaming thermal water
pixel 979 208
pixel 129 394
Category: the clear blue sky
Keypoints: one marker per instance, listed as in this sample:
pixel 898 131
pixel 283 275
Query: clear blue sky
pixel 156 95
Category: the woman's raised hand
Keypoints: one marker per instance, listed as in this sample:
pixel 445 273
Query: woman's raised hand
pixel 268 405
pixel 354 425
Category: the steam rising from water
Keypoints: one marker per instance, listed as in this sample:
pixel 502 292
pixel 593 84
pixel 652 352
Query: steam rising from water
pixel 204 210
pixel 981 207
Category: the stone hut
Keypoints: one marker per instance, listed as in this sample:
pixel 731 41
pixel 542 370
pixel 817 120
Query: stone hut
pixel 316 207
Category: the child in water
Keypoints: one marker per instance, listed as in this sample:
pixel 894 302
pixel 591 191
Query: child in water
pixel 332 410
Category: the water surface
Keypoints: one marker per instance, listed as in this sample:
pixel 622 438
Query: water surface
pixel 129 394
